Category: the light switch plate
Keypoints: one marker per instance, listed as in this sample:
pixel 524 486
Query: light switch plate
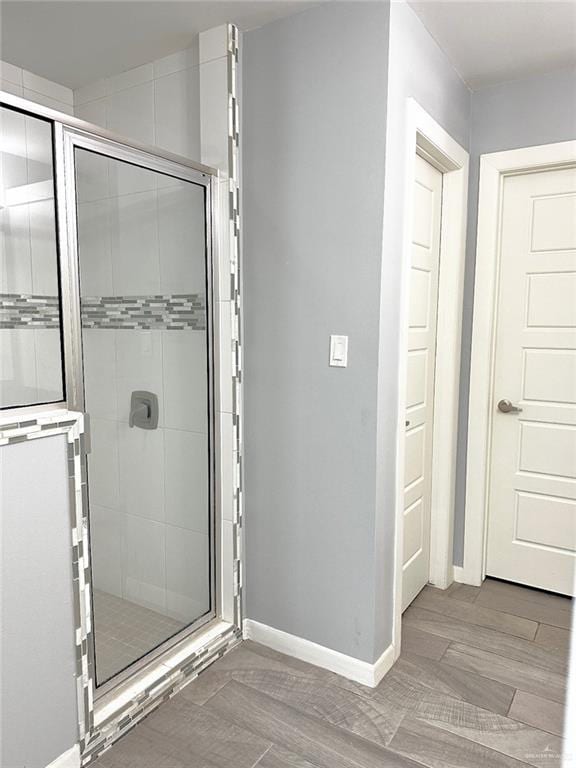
pixel 338 351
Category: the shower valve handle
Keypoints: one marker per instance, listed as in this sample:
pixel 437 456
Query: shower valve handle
pixel 141 411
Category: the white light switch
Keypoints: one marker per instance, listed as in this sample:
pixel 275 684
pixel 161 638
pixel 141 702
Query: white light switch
pixel 339 351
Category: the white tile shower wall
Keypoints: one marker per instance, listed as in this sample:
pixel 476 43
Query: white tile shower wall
pixel 137 230
pixel 145 479
pixel 127 467
pixel 30 369
pixel 157 103
pixel 20 82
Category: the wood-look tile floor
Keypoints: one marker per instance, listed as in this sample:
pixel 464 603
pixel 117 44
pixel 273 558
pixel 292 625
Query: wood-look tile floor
pixel 480 684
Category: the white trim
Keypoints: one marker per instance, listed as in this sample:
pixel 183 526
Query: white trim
pixel 354 669
pixel 458 574
pixel 426 137
pixel 570 712
pixel 68 759
pixel 493 168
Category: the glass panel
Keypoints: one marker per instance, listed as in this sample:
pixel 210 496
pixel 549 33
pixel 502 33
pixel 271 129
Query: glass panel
pixel 30 333
pixel 142 256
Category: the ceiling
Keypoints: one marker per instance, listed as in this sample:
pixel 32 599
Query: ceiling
pixel 490 42
pixel 75 42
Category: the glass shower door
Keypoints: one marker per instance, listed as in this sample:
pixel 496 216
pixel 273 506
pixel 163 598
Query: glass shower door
pixel 144 283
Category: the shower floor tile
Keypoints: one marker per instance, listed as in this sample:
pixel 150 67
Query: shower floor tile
pixel 125 632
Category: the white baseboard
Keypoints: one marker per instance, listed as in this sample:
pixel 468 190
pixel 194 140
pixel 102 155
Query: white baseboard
pixel 354 669
pixel 459 574
pixel 462 576
pixel 68 759
pixel 382 665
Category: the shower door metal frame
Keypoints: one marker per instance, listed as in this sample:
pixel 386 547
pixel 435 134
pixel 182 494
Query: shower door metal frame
pixel 69 139
pixel 219 634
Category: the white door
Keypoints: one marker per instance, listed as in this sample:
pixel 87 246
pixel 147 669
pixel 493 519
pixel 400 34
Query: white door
pixel 532 501
pixel 423 310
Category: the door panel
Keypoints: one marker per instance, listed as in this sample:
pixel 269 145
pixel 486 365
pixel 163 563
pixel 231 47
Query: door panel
pixel 423 306
pixel 548 449
pixel 416 383
pixel 553 220
pixel 532 509
pixel 549 374
pixel 542 311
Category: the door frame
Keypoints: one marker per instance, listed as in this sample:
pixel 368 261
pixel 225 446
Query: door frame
pixel 494 168
pixel 427 138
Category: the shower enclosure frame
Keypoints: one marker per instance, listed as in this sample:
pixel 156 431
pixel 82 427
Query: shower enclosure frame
pixel 70 139
pixel 133 694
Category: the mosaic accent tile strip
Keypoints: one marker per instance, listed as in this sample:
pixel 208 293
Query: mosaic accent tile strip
pixel 161 312
pixel 25 310
pixel 235 282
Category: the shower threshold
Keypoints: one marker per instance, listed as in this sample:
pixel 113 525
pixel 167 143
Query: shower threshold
pixel 171 670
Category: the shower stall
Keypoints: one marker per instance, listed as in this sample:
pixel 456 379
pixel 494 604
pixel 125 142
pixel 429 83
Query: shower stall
pixel 107 309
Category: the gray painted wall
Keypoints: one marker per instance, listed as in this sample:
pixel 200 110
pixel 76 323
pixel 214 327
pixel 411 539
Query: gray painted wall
pixel 314 145
pixel 320 442
pixel 38 715
pixel 420 70
pixel 520 113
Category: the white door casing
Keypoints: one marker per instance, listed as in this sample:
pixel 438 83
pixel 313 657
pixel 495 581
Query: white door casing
pixel 425 137
pixel 531 537
pixel 422 316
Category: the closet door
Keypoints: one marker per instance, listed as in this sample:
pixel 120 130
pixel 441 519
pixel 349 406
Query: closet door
pixel 423 310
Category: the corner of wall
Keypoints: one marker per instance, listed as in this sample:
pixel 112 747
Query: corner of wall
pixel 20 82
pixel 68 759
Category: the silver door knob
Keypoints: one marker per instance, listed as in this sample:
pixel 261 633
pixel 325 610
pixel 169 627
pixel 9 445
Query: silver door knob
pixel 505 406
